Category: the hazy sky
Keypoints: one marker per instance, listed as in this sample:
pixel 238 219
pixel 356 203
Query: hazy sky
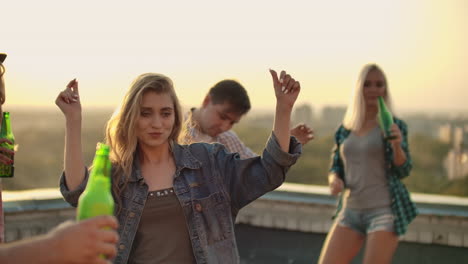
pixel 422 46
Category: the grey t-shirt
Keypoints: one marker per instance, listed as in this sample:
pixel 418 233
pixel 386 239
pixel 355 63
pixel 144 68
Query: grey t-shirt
pixel 364 163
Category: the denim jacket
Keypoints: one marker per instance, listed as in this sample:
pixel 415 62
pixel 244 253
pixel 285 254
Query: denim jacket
pixel 212 185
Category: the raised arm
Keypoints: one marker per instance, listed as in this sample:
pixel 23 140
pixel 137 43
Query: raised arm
pixel 69 103
pixel 286 92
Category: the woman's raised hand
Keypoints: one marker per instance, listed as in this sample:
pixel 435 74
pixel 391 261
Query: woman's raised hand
pixel 286 88
pixel 68 101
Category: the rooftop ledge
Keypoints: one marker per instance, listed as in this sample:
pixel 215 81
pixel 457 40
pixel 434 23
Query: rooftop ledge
pixel 290 192
pixel 294 207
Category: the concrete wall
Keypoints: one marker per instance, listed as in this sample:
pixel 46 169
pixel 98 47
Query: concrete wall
pixel 442 221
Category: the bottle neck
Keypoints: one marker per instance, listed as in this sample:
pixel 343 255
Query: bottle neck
pixel 99 182
pixel 382 106
pixel 6 125
pixel 100 166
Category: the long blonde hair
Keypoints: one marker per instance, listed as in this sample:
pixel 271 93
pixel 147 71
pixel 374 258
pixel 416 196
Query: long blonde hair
pixel 355 113
pixel 120 129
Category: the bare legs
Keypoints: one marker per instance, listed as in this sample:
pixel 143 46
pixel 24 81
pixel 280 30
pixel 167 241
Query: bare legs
pixel 380 247
pixel 343 244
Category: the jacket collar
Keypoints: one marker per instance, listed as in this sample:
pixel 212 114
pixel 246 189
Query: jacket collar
pixel 182 156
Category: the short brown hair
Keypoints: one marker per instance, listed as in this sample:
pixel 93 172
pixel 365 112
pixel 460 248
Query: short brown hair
pixel 231 92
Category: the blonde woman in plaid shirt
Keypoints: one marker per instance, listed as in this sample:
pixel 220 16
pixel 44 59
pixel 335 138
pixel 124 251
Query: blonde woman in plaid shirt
pixel 374 205
pixel 224 105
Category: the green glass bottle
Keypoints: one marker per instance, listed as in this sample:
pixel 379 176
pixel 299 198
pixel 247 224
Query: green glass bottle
pixel 385 119
pixel 7 170
pixel 97 198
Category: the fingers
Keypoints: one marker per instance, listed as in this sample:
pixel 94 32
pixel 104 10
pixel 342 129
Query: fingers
pixel 71 83
pixel 296 87
pixel 99 260
pixel 306 129
pixel 3 140
pixel 303 133
pixel 74 87
pixel 395 134
pixel 103 221
pixel 282 75
pixel 336 187
pixel 274 76
pixel 70 94
pixel 107 249
pixel 5 160
pixel 109 236
pixel 285 84
pixel 289 84
pixel 66 97
pixel 7 151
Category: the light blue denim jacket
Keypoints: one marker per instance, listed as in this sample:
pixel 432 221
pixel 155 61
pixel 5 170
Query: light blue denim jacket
pixel 212 185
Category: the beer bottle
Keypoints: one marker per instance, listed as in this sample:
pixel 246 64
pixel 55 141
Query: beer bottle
pixel 385 119
pixel 97 197
pixel 7 170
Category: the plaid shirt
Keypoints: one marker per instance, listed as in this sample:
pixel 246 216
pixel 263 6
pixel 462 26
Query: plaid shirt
pixel 402 206
pixel 229 139
pixel 2 223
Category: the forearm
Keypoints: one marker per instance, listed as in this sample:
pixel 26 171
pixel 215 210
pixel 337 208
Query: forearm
pixel 36 250
pixel 399 156
pixel 281 125
pixel 74 162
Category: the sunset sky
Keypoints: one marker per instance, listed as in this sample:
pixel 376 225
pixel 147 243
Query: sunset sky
pixel 422 46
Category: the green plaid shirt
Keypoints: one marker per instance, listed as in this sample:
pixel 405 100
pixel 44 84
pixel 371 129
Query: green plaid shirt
pixel 402 206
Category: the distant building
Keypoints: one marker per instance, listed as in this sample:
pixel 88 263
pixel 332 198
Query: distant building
pixel 333 115
pixel 303 114
pixel 445 133
pixel 456 162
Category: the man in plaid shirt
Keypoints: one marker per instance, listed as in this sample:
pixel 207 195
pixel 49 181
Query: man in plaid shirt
pixel 224 105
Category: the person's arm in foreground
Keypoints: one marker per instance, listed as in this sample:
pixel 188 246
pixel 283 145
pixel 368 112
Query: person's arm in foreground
pixel 70 242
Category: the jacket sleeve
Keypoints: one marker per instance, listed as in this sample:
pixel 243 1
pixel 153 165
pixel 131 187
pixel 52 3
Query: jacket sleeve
pixel 247 179
pixel 234 144
pixel 72 196
pixel 336 164
pixel 403 170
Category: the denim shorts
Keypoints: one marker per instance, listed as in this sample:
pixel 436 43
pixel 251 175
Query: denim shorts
pixel 366 221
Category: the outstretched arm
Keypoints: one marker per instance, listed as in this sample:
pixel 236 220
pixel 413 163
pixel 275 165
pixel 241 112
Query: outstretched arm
pixel 70 242
pixel 69 102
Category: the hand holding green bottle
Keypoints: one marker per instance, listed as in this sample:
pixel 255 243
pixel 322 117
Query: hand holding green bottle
pixel 7 143
pixel 385 119
pixel 97 198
